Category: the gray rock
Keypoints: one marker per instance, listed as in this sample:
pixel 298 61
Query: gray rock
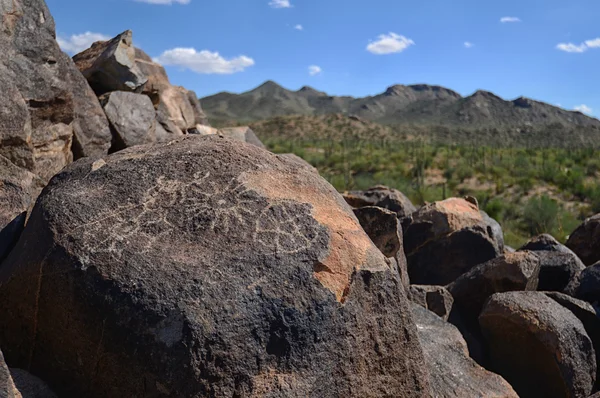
pixel 383 228
pixel 545 242
pixel 585 240
pixel 244 134
pixel 110 65
pixel 451 372
pixel 586 285
pixel 538 346
pixel 91 133
pixel 446 239
pixel 511 272
pixel 588 317
pixel 557 270
pixel 18 190
pixel 381 196
pixel 30 386
pixel 436 299
pixel 205 267
pixel 132 118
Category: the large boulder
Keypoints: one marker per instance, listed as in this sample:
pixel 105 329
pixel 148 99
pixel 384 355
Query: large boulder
pixel 131 117
pixel 588 317
pixel 452 372
pixel 30 386
pixel 586 285
pixel 110 65
pixel 381 196
pixel 205 267
pixel 18 190
pixel 511 272
pixel 39 108
pixel 538 345
pixel 446 239
pixel 585 240
pixel 558 264
pixel 178 109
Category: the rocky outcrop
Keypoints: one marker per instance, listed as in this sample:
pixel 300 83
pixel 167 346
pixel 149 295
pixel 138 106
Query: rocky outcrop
pixel 511 272
pixel 538 345
pixel 381 196
pixel 18 190
pixel 30 386
pixel 452 372
pixel 132 119
pixel 39 107
pixel 446 239
pixel 436 299
pixel 585 240
pixel 110 65
pixel 205 267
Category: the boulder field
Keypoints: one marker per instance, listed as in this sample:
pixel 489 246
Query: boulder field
pixel 144 253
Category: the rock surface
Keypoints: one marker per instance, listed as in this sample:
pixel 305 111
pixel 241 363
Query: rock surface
pixel 538 345
pixel 205 267
pixel 110 65
pixel 557 270
pixel 18 190
pixel 586 285
pixel 452 372
pixel 244 134
pixel 381 196
pixel 30 386
pixel 436 299
pixel 39 106
pixel 7 386
pixel 585 240
pixel 446 239
pixel 383 228
pixel 132 118
pixel 511 272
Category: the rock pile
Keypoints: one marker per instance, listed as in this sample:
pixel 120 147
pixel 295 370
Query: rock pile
pixel 192 262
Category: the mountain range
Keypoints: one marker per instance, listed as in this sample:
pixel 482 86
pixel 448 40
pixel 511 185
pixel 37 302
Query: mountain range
pixel 419 104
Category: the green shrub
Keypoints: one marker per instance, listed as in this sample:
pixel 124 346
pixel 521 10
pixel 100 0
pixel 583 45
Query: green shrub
pixel 540 215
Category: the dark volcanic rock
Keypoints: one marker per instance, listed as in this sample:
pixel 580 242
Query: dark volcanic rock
pixel 436 299
pixel 588 317
pixel 586 285
pixel 206 267
pixel 131 117
pixel 538 345
pixel 446 239
pixel 585 240
pixel 381 196
pixel 7 386
pixel 110 65
pixel 545 242
pixel 557 270
pixel 18 190
pixel 39 108
pixel 511 272
pixel 383 228
pixel 30 386
pixel 452 372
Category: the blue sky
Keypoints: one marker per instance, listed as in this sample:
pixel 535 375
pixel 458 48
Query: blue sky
pixel 543 49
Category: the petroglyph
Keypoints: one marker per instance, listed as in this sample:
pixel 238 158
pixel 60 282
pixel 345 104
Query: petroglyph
pixel 200 209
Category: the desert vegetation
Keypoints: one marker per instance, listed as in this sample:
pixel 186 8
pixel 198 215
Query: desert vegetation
pixel 528 189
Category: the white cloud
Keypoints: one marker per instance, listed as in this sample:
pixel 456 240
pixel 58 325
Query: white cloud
pixel 579 48
pixel 468 44
pixel 572 48
pixel 77 43
pixel 510 19
pixel 595 43
pixel 389 44
pixel 299 27
pixel 584 109
pixel 164 2
pixel 314 70
pixel 204 61
pixel 280 4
